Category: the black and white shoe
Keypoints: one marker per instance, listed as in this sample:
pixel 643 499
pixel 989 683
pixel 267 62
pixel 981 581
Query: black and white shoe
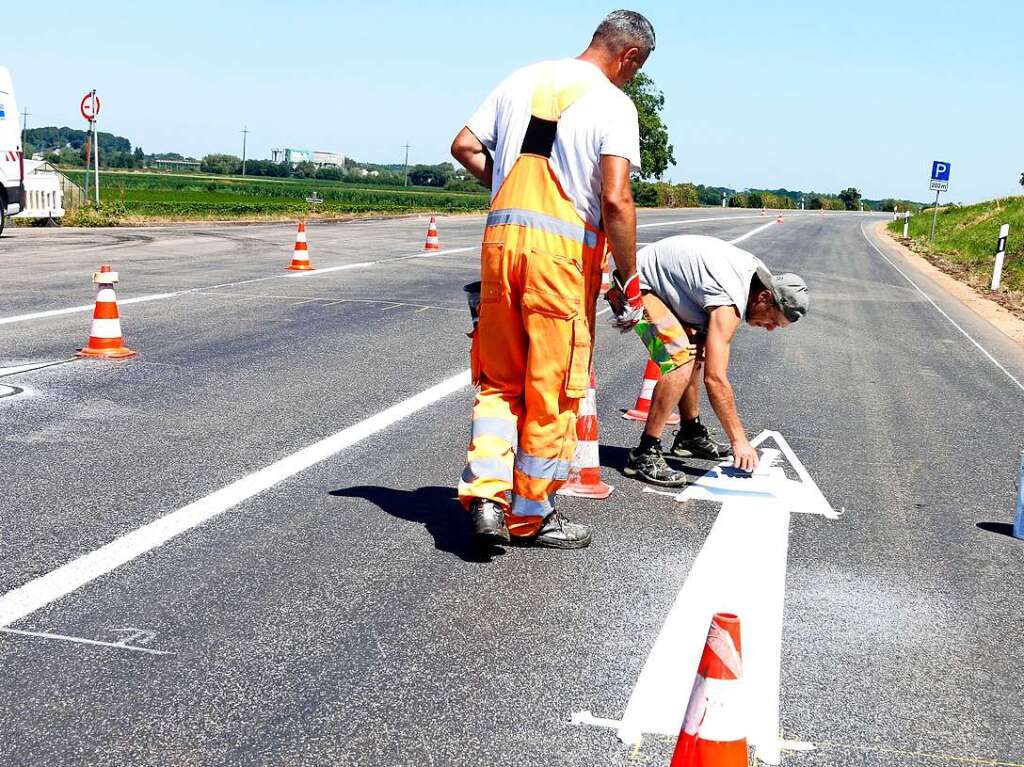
pixel 650 466
pixel 694 441
pixel 557 532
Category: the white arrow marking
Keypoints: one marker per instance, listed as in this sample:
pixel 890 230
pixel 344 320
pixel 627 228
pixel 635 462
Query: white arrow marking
pixel 740 569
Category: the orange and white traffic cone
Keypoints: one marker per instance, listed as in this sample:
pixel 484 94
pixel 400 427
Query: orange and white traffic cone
pixel 300 257
pixel 585 474
pixel 606 280
pixel 105 334
pixel 714 731
pixel 433 241
pixel 762 211
pixel 779 220
pixel 642 407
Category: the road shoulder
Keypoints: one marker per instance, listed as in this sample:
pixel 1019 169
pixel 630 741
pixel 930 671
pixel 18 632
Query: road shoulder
pixel 997 316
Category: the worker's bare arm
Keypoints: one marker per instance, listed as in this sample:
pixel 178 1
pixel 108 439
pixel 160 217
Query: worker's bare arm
pixel 721 326
pixel 473 156
pixel 618 214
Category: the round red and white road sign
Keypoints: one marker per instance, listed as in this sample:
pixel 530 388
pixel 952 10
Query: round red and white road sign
pixel 90 106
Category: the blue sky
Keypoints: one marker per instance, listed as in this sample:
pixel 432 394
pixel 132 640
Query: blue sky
pixel 807 95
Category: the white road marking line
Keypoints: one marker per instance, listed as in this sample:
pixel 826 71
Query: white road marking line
pixel 741 568
pixel 37 593
pixel 177 293
pixel 698 221
pixel 81 640
pixel 751 233
pixel 938 308
pixel 29 367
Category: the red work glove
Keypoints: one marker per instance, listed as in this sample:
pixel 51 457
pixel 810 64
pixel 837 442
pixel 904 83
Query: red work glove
pixel 625 301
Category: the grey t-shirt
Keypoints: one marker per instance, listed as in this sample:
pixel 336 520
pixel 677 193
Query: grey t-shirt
pixel 692 273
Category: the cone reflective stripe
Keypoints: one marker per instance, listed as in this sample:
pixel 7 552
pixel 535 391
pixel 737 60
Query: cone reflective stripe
pixel 642 407
pixel 713 733
pixel 585 474
pixel 606 279
pixel 300 257
pixel 105 333
pixel 433 241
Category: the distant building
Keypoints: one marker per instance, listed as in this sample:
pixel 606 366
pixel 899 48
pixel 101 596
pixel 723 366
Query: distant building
pixel 175 164
pixel 318 158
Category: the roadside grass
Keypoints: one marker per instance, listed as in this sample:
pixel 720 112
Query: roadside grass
pixel 130 197
pixel 965 243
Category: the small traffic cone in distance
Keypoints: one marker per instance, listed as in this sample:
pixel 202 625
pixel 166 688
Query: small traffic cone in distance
pixel 642 408
pixel 105 338
pixel 585 475
pixel 300 257
pixel 714 728
pixel 779 219
pixel 433 241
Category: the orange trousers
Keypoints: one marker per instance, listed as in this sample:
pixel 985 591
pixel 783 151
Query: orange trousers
pixel 531 360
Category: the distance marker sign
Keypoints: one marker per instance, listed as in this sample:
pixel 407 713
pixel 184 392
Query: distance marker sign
pixel 940 176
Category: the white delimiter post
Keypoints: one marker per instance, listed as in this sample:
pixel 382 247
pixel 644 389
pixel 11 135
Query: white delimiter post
pixel 997 273
pixel 906 224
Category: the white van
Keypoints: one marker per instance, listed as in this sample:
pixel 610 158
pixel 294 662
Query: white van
pixel 12 160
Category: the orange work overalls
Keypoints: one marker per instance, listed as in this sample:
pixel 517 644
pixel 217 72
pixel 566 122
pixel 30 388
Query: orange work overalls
pixel 540 268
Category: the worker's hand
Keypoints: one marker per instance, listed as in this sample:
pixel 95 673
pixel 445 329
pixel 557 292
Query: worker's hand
pixel 744 456
pixel 625 301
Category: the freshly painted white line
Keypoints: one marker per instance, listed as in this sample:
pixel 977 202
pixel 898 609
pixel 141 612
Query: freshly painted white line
pixel 751 233
pixel 697 221
pixel 84 308
pixel 741 568
pixel 938 308
pixel 177 293
pixel 37 593
pixel 80 640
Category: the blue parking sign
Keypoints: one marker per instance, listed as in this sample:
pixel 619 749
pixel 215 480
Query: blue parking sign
pixel 940 171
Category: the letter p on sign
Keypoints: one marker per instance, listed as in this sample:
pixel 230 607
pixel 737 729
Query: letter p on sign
pixel 940 171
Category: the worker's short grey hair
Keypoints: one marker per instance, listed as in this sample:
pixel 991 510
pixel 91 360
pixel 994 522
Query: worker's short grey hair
pixel 624 29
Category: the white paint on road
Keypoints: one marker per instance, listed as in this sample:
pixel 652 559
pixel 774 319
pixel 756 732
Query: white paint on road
pixel 751 233
pixel 86 308
pixel 740 569
pixel 938 308
pixel 81 640
pixel 683 222
pixel 37 593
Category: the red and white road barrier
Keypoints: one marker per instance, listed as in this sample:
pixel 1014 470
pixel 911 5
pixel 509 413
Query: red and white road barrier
pixel 105 340
pixel 585 474
pixel 642 408
pixel 300 256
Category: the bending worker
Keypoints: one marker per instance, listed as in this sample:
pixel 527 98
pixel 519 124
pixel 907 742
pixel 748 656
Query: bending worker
pixel 556 143
pixel 696 292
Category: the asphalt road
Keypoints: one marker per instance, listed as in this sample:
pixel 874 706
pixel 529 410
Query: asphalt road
pixel 338 614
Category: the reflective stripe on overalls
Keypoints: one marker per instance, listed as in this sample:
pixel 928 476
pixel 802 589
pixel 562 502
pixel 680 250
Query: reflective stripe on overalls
pixel 540 271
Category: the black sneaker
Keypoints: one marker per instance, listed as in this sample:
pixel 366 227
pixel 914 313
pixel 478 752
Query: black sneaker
pixel 557 532
pixel 650 466
pixel 697 443
pixel 488 523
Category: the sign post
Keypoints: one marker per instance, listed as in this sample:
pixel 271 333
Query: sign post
pixel 997 273
pixel 939 183
pixel 90 109
pixel 906 224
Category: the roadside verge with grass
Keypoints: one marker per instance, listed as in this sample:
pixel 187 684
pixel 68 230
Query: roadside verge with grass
pixel 965 245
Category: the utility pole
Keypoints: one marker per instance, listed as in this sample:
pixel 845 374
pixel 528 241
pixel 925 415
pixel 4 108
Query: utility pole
pixel 245 135
pixel 24 126
pixel 407 163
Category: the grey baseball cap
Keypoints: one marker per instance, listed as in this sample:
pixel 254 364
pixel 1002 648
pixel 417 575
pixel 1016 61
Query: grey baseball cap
pixel 789 291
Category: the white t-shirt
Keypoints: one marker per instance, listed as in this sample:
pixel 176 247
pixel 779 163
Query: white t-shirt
pixel 601 122
pixel 692 273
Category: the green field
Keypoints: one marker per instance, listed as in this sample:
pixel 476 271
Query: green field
pixel 965 240
pixel 135 196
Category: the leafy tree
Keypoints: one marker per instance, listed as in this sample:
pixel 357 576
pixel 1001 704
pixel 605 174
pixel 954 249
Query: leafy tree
pixel 655 151
pixel 850 198
pixel 431 175
pixel 226 164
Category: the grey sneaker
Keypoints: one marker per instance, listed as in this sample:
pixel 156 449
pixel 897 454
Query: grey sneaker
pixel 557 532
pixel 488 523
pixel 650 466
pixel 697 443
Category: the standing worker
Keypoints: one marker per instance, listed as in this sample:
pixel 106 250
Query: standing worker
pixel 556 143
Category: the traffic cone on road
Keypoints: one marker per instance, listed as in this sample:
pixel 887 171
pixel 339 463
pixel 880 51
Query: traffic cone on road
pixel 779 220
pixel 433 241
pixel 300 257
pixel 606 280
pixel 105 334
pixel 643 400
pixel 763 212
pixel 585 474
pixel 714 729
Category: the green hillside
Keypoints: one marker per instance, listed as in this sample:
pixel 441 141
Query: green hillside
pixel 965 240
